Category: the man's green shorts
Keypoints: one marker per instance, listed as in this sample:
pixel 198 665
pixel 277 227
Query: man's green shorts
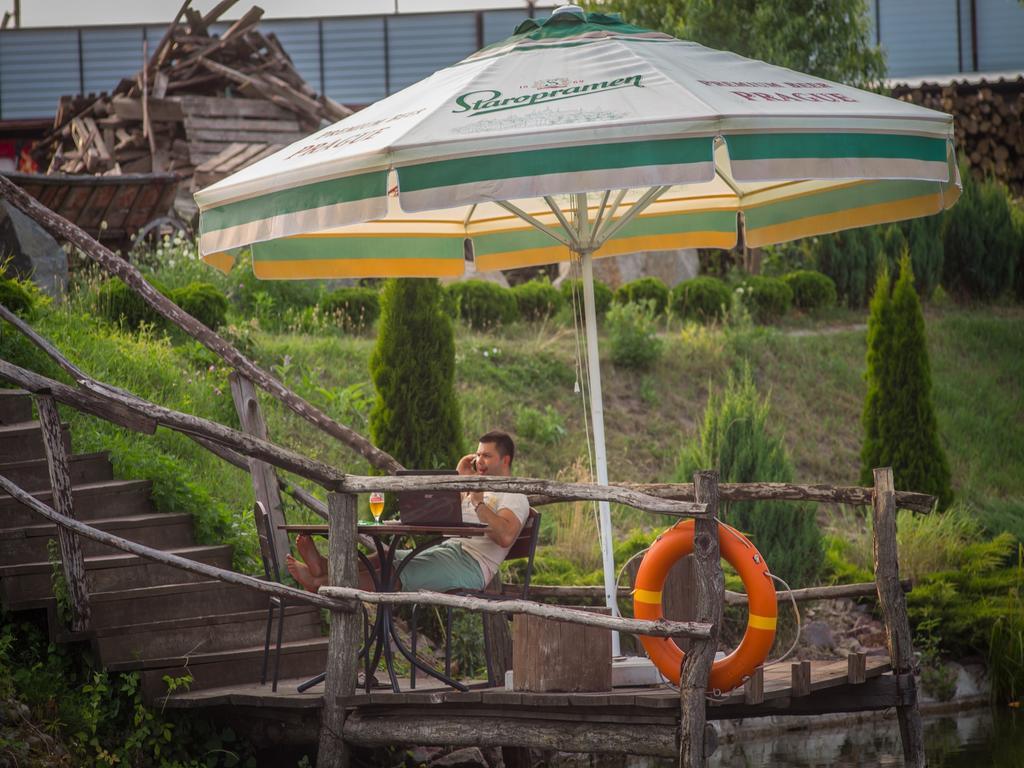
pixel 440 569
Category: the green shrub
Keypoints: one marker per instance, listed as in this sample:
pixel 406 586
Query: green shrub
pixel 979 238
pixel 735 440
pixel 900 429
pixel 645 289
pixel 1018 226
pixel 354 308
pixel 927 253
pixel 811 290
pixel 602 295
pixel 415 416
pixel 766 298
pixel 631 334
pixel 851 258
pixel 704 299
pixel 16 297
pixel 482 304
pixel 268 300
pixel 204 302
pixel 119 303
pixel 537 300
pixel 546 427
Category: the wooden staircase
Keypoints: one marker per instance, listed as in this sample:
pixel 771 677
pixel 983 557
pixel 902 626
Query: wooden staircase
pixel 147 617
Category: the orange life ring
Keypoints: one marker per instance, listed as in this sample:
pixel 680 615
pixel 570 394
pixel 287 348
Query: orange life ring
pixel 677 542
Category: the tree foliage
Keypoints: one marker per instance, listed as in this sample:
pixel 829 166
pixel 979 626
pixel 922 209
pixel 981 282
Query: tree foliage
pixel 416 416
pixel 736 441
pixel 900 430
pixel 826 38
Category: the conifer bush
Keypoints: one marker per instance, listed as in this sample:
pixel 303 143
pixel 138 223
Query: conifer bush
pixel 811 290
pixel 851 258
pixel 482 304
pixel 537 300
pixel 900 429
pixel 927 253
pixel 644 289
pixel 767 299
pixel 704 299
pixel 415 416
pixel 118 303
pixel 354 308
pixel 980 241
pixel 735 440
pixel 602 295
pixel 204 302
pixel 16 297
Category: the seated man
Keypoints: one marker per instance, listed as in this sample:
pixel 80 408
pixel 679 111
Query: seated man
pixel 463 563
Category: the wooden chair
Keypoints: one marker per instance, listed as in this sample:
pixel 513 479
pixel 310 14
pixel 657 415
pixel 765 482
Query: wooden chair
pixel 272 572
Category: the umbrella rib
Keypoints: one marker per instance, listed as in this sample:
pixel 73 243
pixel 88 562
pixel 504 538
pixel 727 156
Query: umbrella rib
pixel 534 221
pixel 611 212
pixel 601 210
pixel 614 226
pixel 558 214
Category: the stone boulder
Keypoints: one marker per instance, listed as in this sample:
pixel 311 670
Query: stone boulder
pixel 672 267
pixel 33 252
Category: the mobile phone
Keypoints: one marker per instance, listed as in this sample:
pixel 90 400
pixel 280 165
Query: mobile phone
pixel 472 463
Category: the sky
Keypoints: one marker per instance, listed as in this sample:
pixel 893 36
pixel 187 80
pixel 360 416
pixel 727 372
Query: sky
pixel 74 13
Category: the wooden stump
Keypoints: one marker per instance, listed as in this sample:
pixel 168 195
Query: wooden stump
pixel 558 656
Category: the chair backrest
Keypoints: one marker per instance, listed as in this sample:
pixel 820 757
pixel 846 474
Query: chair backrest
pixel 526 546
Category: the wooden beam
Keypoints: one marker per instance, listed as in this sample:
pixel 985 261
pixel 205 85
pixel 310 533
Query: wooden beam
pixel 856 668
pixel 753 689
pixel 800 684
pixel 71 558
pixel 343 646
pixel 894 611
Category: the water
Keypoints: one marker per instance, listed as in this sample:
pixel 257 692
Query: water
pixel 979 738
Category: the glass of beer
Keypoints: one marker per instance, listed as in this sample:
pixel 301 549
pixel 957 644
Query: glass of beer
pixel 376 505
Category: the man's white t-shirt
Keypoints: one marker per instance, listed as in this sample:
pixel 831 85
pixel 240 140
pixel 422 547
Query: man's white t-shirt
pixel 486 552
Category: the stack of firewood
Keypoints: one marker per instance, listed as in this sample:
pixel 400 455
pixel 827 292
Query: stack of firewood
pixel 989 122
pixel 199 96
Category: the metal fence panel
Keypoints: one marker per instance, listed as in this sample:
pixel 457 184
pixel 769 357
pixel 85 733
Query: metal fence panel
pixel 109 54
pixel 37 67
pixel 420 45
pixel 1000 35
pixel 919 37
pixel 501 24
pixel 300 38
pixel 354 60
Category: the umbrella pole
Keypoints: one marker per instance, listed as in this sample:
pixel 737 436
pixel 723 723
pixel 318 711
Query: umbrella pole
pixel 600 455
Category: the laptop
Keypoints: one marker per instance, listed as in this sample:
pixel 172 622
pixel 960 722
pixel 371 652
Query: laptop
pixel 431 507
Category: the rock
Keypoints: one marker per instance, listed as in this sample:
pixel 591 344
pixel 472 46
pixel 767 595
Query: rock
pixel 36 255
pixel 818 634
pixel 470 757
pixel 671 267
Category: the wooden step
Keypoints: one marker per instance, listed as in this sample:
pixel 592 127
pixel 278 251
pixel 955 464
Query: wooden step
pixel 92 501
pixel 15 406
pixel 25 441
pixel 299 658
pixel 203 634
pixel 171 601
pixel 34 474
pixel 27 585
pixel 29 544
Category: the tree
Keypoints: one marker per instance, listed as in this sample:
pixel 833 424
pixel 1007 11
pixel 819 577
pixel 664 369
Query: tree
pixel 735 440
pixel 416 415
pixel 826 38
pixel 900 429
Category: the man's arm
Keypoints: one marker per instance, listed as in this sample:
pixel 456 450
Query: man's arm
pixel 503 526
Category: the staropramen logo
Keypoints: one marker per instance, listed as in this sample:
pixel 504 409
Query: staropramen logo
pixel 487 101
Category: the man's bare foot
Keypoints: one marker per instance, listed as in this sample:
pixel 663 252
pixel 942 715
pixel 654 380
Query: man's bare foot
pixel 316 562
pixel 300 572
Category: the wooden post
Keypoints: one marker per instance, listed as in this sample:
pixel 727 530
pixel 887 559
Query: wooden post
pixel 60 480
pixel 264 477
pixel 343 647
pixel 800 678
pixel 499 640
pixel 709 596
pixel 894 612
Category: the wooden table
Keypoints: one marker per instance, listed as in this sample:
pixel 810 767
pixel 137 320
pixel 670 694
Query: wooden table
pixel 386 538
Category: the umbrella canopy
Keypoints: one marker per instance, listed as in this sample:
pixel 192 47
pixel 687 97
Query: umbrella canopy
pixel 585 132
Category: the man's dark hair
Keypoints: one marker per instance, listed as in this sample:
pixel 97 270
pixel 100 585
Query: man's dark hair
pixel 504 443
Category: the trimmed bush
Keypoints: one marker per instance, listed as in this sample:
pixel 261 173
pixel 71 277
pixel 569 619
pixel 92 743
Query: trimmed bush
pixel 980 241
pixel 631 333
pixel 811 290
pixel 900 430
pixel 354 308
pixel 118 303
pixel 204 302
pixel 482 304
pixel 766 298
pixel 602 295
pixel 645 289
pixel 735 440
pixel 16 297
pixel 415 416
pixel 704 299
pixel 537 300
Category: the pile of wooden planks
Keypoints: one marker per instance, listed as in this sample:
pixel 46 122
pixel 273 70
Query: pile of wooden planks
pixel 989 121
pixel 198 97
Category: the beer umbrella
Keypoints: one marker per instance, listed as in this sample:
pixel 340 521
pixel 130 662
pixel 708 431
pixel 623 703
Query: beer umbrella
pixel 581 133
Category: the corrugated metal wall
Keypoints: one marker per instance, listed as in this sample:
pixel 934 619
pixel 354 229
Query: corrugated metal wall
pixel 358 60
